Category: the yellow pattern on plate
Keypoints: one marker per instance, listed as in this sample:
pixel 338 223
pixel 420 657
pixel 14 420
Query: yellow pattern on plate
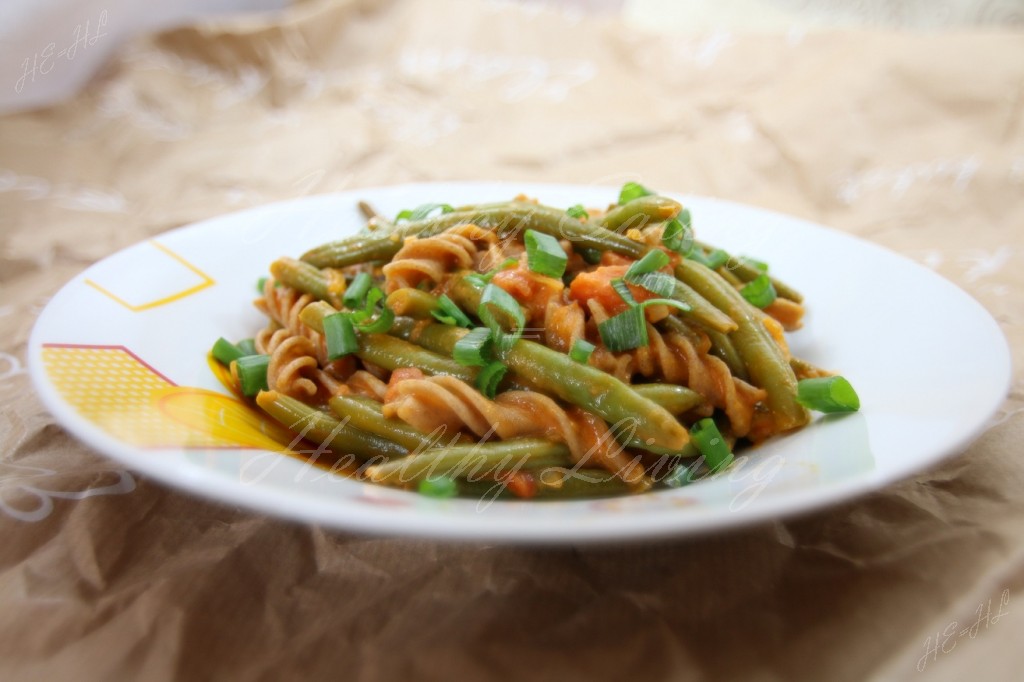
pixel 114 389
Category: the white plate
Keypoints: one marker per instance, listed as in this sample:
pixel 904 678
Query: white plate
pixel 929 363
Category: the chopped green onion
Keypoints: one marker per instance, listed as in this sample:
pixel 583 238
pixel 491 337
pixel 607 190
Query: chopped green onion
pixel 623 291
pixel 363 317
pixel 224 351
pixel 441 487
pixel 544 255
pixel 708 439
pixel 632 190
pixel 653 261
pixel 677 236
pixel 477 279
pixel 375 296
pixel 591 256
pixel 659 283
pixel 381 325
pixel 247 346
pixel 450 313
pixel 340 335
pixel 828 394
pixel 496 297
pixel 261 283
pixel 714 260
pixel 422 212
pixel 581 351
pixel 355 294
pixel 628 329
pixel 625 331
pixel 759 292
pixel 644 273
pixel 672 303
pixel 578 212
pixel 252 373
pixel 472 349
pixel 489 378
pixel 686 219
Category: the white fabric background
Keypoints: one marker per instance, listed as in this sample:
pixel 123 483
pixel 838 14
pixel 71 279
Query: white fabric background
pixel 66 41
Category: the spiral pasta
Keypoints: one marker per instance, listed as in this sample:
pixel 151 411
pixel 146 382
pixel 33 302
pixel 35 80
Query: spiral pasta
pixel 564 325
pixel 429 259
pixel 446 402
pixel 298 364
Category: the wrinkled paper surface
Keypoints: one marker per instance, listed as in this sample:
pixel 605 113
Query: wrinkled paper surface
pixel 914 141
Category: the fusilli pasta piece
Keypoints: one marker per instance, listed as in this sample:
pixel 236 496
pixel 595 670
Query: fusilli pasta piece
pixel 298 355
pixel 452 404
pixel 429 259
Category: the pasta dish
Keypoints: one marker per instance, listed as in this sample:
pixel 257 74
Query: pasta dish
pixel 525 351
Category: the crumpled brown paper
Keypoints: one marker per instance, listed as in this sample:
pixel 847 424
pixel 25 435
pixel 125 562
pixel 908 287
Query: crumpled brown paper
pixel 913 141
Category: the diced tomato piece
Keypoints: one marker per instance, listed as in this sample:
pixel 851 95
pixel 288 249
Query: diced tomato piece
pixel 612 258
pixel 597 285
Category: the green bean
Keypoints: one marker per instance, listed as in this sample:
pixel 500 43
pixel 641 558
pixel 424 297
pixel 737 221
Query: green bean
pixel 309 279
pixel 390 352
pixel 585 234
pixel 402 327
pixel 367 416
pixel 313 315
pixel 640 212
pixel 507 219
pixel 321 428
pixel 554 373
pixel 482 459
pixel 355 250
pixel 412 303
pixel 760 354
pixel 510 218
pixel 723 347
pixel 745 272
pixel 675 399
pixel 393 353
pixel 728 276
pixel 369 212
pixel 701 310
